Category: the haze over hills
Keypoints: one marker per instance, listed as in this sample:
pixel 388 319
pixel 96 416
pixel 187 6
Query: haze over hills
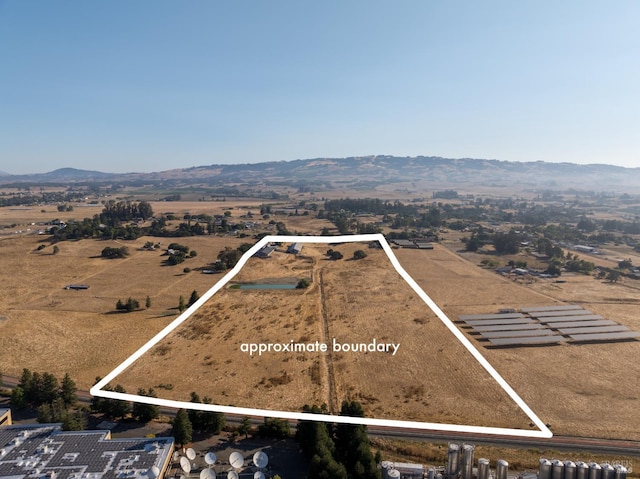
pixel 372 171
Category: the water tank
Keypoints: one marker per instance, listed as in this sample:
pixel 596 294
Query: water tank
pixel 608 472
pixel 621 472
pixel 393 474
pixel 385 466
pixel 544 471
pixel 453 460
pixel 502 469
pixel 483 468
pixel 467 457
pixel 431 474
pixel 569 470
pixel 595 471
pixel 582 470
pixel 557 469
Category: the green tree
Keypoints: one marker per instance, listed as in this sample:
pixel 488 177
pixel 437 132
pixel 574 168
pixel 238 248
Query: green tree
pixel 182 429
pixel 625 264
pixel 18 400
pixel 274 427
pixel 506 243
pixel 245 426
pixel 359 254
pixel 613 276
pixel 56 250
pixel 181 305
pixel 145 412
pixel 147 302
pixel 194 297
pixel 335 255
pixel 68 391
pixel 303 284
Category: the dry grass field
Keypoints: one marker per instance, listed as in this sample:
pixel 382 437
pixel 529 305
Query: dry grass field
pixel 432 378
pixel 588 389
pixel 49 328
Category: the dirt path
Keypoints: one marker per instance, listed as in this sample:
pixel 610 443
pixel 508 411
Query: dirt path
pixel 327 358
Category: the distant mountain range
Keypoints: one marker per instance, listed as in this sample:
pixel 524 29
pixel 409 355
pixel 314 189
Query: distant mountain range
pixel 369 172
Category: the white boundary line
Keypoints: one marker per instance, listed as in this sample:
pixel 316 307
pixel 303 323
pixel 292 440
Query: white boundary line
pixel 544 431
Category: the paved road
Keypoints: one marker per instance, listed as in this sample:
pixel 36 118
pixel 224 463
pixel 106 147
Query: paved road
pixel 560 443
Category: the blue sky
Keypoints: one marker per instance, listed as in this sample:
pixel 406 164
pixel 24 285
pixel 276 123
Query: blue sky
pixel 123 86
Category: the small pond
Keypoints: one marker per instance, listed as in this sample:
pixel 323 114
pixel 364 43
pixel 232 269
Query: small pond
pixel 262 286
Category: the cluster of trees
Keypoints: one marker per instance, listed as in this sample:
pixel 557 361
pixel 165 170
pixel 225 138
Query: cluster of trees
pixel 118 409
pixel 334 255
pixel 48 197
pixel 111 253
pixel 178 253
pixel 182 305
pixel 186 422
pixel 54 400
pixel 229 257
pixel 116 212
pixel 337 451
pixel 129 305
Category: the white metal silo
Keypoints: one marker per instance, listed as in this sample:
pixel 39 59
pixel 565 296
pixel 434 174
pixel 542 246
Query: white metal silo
pixel 557 469
pixel 608 472
pixel 582 470
pixel 595 470
pixel 621 472
pixel 483 468
pixel 393 474
pixel 467 458
pixel 569 470
pixel 502 469
pixel 544 470
pixel 453 460
pixel 431 473
pixel 385 466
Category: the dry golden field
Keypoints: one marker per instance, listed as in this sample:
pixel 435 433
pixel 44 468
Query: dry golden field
pixel 49 328
pixel 431 378
pixel 588 389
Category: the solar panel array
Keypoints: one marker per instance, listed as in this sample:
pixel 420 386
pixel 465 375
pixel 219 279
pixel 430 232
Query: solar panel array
pixel 78 454
pixel 544 325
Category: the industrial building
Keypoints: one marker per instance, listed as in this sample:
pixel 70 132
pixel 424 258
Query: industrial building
pixel 460 465
pixel 45 451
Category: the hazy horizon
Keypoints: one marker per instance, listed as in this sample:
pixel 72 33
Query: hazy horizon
pixel 152 86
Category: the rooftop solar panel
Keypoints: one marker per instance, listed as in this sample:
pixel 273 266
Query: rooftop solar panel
pixel 605 336
pixel 510 327
pixel 560 319
pixel 527 341
pixel 481 322
pixel 466 317
pixel 547 314
pixel 560 307
pixel 583 324
pixel 603 329
pixel 517 334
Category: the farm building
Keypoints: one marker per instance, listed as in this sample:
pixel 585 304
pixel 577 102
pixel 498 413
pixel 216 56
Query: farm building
pixel 295 248
pixel 265 251
pixel 77 286
pixel 44 450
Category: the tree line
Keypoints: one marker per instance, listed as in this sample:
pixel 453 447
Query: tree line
pixel 339 451
pixel 54 400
